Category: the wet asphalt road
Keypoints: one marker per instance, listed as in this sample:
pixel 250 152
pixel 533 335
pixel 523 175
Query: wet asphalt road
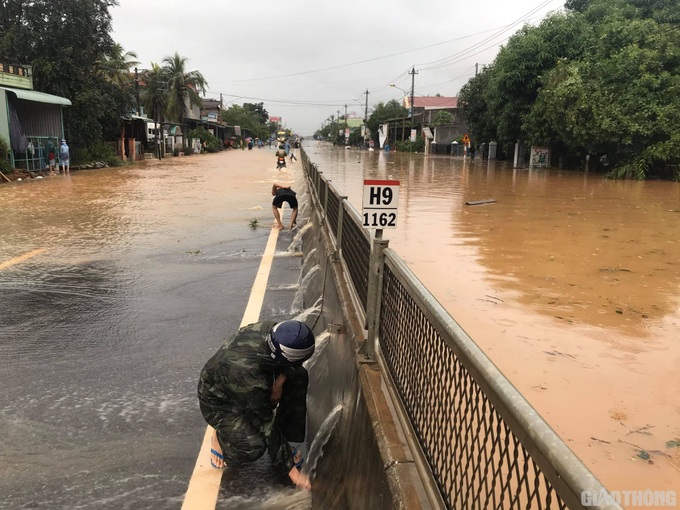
pixel 101 342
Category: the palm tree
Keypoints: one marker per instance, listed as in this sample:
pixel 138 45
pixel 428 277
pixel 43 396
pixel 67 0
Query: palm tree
pixel 155 96
pixel 182 86
pixel 116 65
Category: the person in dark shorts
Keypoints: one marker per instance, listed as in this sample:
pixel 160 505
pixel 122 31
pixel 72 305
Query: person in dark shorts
pixel 284 194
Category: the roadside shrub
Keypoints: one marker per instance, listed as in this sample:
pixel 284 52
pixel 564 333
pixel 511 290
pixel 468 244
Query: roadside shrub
pixel 105 152
pixel 212 143
pixel 409 146
pixel 5 165
pixel 99 152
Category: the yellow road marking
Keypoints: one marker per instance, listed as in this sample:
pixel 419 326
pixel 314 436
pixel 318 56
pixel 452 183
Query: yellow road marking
pixel 21 258
pixel 204 485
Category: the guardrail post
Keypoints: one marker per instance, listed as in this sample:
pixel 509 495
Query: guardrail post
pixel 325 197
pixel 341 215
pixel 317 178
pixel 375 272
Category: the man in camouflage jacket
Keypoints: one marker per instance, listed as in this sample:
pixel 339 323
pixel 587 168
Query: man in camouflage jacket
pixel 253 392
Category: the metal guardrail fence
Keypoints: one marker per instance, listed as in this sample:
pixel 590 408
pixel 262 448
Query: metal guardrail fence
pixel 353 240
pixel 485 446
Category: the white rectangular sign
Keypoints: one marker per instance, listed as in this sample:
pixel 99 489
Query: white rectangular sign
pixel 381 199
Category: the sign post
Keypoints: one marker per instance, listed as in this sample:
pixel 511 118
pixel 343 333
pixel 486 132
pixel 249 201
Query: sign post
pixel 381 198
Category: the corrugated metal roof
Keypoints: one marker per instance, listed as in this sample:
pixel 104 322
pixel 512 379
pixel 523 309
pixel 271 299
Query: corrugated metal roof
pixel 139 117
pixel 37 97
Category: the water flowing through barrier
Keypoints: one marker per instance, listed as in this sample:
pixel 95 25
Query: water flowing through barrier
pixel 323 436
pixel 308 290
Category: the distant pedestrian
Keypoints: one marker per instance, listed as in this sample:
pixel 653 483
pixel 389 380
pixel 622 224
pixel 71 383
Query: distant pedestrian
pixel 51 156
pixel 472 151
pixel 292 155
pixel 65 157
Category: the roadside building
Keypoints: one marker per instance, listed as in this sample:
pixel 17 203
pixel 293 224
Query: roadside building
pixel 31 122
pixel 425 111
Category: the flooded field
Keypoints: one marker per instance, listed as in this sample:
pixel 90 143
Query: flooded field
pixel 569 282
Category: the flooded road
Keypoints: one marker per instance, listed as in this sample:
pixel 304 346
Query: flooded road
pixel 117 286
pixel 569 282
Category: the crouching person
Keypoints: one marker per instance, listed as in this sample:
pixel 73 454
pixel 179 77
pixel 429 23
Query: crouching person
pixel 253 392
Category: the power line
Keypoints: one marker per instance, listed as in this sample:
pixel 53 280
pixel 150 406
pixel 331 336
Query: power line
pixel 446 61
pixel 364 61
pixel 457 57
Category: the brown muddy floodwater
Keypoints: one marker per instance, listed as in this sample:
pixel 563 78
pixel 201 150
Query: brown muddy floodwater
pixel 569 282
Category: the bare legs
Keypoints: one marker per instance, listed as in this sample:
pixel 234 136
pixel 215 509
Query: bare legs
pixel 277 217
pixel 293 217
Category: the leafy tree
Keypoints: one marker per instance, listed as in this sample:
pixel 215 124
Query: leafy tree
pixel 212 143
pixel 475 105
pixel 620 99
pixel 383 112
pixel 63 40
pixel 518 70
pixel 600 79
pixel 115 66
pixel 246 117
pixel 272 127
pixel 258 110
pixel 5 166
pixel 182 86
pixel 155 93
pixel 442 118
pixel 577 5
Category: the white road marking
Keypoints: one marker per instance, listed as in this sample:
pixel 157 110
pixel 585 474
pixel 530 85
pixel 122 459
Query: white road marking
pixel 21 258
pixel 204 485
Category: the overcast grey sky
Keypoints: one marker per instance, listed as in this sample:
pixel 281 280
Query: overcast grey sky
pixel 306 59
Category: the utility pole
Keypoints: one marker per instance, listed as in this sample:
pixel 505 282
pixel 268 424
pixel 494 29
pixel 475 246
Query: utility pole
pixel 366 120
pixel 476 69
pixel 139 111
pixel 413 73
pixel 346 137
pixel 366 109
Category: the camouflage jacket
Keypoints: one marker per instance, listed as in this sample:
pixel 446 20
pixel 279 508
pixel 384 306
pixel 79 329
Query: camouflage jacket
pixel 239 377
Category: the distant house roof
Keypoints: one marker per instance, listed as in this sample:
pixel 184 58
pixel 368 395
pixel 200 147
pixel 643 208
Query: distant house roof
pixel 433 102
pixel 210 104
